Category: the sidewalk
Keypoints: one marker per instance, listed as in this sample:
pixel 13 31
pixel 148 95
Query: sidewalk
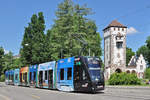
pixel 128 87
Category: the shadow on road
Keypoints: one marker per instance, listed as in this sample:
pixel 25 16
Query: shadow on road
pixel 100 92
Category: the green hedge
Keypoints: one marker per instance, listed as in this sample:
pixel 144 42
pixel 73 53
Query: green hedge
pixel 147 73
pixel 124 79
pixel 2 78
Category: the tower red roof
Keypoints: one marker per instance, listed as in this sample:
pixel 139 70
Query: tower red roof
pixel 115 23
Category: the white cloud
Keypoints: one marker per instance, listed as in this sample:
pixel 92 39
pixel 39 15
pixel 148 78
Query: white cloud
pixel 6 51
pixel 131 30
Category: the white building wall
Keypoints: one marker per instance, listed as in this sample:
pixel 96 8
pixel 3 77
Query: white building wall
pixel 141 66
pixel 118 52
pixel 107 73
pixel 107 40
pixel 111 52
pixel 107 51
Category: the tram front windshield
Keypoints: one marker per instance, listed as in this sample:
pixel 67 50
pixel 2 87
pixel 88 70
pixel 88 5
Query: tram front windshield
pixel 94 69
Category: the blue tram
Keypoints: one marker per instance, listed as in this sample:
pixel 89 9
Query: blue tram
pixel 69 74
pixel 80 74
pixel 47 75
pixel 65 69
pixel 33 75
pixel 11 77
pixel 7 77
pixel 16 77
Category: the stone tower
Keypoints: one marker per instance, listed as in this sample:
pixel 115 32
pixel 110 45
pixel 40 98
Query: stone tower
pixel 114 48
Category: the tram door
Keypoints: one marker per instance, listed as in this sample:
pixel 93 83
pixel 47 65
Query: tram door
pixel 25 78
pixel 77 80
pixel 40 78
pixel 80 78
pixel 50 79
pixel 20 77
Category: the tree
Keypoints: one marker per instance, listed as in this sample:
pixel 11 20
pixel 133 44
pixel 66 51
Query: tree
pixel 48 50
pixel 129 54
pixel 8 61
pixel 32 51
pixel 71 19
pixel 144 51
pixel 148 51
pixel 38 39
pixel 147 73
pixel 17 63
pixel 1 60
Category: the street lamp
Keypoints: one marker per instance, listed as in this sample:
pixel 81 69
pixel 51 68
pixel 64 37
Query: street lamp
pixel 26 44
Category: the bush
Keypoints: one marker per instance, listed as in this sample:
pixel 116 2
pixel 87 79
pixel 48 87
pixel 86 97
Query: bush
pixel 147 73
pixel 2 78
pixel 124 79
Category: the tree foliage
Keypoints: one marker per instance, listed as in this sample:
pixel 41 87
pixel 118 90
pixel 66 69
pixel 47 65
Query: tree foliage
pixel 148 51
pixel 7 62
pixel 144 51
pixel 1 59
pixel 129 54
pixel 147 73
pixel 71 19
pixel 32 51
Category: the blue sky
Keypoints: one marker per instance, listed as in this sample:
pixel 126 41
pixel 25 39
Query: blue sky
pixel 16 14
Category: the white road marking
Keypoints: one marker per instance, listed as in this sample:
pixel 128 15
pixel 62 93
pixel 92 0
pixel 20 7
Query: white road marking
pixel 4 97
pixel 36 97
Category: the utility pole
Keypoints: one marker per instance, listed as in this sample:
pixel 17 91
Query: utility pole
pixel 89 51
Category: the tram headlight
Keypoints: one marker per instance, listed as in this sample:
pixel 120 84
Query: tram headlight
pixel 93 88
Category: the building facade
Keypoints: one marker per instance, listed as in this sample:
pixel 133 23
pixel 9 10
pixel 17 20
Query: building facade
pixel 114 48
pixel 137 65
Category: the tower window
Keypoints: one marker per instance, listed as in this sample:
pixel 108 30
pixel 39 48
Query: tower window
pixel 119 45
pixel 118 29
pixel 107 48
pixel 122 29
pixel 141 67
pixel 114 29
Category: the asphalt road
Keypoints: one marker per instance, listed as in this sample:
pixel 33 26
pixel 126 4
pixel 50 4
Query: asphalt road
pixel 8 92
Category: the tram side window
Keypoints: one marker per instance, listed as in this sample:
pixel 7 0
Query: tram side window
pixel 84 76
pixel 20 77
pixel 25 77
pixel 9 77
pixel 16 76
pixel 34 76
pixel 61 74
pixel 30 76
pixel 45 75
pixel 41 76
pixel 69 73
pixel 77 71
pixel 12 77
